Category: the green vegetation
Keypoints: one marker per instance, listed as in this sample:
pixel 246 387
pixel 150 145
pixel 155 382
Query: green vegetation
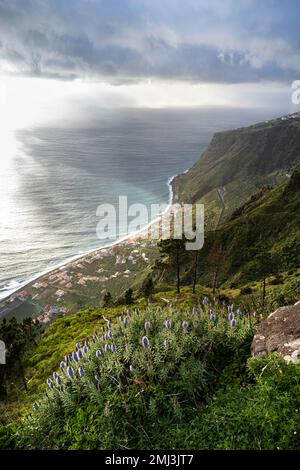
pixel 174 250
pixel 189 384
pixel 262 238
pixel 128 298
pixel 147 287
pixel 241 162
pixel 19 339
pixel 107 299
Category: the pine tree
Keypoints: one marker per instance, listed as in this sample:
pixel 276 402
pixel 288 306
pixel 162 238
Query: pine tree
pixel 175 250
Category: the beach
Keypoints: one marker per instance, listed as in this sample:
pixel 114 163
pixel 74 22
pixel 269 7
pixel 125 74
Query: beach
pixel 59 281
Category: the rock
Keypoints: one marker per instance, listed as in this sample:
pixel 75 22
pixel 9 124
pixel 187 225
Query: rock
pixel 280 332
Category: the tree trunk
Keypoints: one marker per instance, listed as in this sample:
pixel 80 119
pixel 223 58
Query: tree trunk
pixel 195 273
pixel 178 273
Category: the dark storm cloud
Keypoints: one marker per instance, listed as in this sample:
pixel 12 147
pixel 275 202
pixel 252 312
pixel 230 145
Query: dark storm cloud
pixel 196 40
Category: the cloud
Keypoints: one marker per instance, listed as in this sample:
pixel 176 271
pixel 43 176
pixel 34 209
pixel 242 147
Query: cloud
pixel 122 42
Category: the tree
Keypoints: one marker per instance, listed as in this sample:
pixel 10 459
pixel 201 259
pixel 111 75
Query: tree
pixel 216 260
pixel 129 297
pixel 19 339
pixel 174 249
pixel 107 299
pixel 147 287
pixel 265 264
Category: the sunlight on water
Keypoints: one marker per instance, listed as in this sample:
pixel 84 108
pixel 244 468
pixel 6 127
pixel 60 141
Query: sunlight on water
pixel 8 174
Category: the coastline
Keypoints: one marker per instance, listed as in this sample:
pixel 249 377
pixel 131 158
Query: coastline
pixel 134 236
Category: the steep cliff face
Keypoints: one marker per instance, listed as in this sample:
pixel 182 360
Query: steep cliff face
pixel 239 163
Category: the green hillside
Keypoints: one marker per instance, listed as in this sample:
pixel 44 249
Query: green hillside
pixel 267 225
pixel 238 163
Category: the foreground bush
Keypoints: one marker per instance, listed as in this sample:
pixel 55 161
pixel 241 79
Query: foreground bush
pixel 146 378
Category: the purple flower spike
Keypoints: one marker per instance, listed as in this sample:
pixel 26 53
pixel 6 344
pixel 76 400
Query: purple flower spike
pixel 113 347
pixel 239 311
pixel 49 383
pixel 109 324
pixel 233 322
pixel 168 324
pixel 77 346
pixel 129 312
pixel 205 301
pixel 132 369
pixel 145 342
pixel 62 365
pixel 55 375
pixel 79 353
pixel 159 309
pixel 125 321
pixel 85 349
pixel 136 311
pixel 230 316
pixel 80 371
pixel 75 356
pixel 147 325
pixel 36 407
pixel 98 354
pixel 185 325
pixel 67 360
pixel 106 347
pixel 70 372
pixel 109 335
pixel 166 343
pixel 212 317
pixel 57 380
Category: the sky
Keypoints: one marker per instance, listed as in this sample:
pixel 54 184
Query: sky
pixel 152 52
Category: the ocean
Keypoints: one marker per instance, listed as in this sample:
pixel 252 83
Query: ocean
pixel 56 176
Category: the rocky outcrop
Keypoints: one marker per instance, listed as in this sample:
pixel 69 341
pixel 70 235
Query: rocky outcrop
pixel 280 332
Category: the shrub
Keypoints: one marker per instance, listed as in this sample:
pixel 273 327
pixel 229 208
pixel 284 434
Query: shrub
pixel 246 290
pixel 128 298
pixel 107 300
pixel 149 373
pixel 276 280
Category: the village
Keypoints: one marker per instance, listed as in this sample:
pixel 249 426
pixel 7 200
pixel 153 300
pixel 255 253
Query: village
pixel 87 277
